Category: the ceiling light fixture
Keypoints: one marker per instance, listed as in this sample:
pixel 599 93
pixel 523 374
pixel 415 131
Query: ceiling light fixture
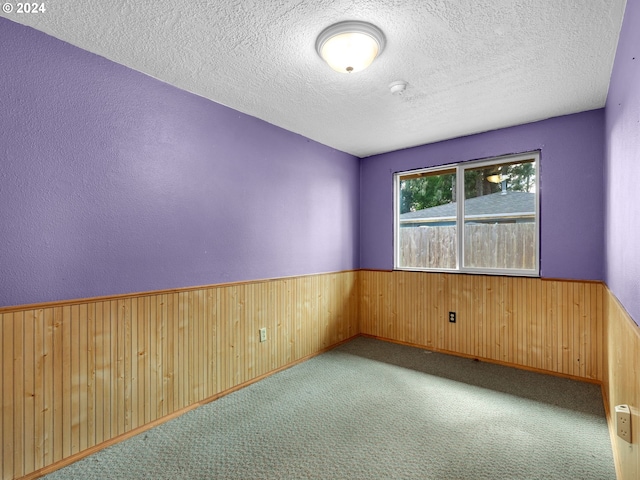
pixel 350 46
pixel 495 178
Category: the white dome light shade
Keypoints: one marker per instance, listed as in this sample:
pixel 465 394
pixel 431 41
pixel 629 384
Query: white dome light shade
pixel 350 46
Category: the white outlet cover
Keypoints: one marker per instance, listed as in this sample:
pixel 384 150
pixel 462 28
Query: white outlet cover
pixel 623 422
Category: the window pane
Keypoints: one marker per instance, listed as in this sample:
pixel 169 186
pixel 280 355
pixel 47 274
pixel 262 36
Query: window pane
pixel 500 216
pixel 427 233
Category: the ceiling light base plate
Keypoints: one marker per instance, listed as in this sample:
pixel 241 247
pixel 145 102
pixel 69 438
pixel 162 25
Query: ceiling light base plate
pixel 398 87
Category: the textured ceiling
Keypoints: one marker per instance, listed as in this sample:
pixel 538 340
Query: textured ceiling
pixel 471 65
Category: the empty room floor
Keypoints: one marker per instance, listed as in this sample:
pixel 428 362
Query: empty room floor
pixel 370 409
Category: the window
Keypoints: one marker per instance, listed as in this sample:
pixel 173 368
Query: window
pixel 473 217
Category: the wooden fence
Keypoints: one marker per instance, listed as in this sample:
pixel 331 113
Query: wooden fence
pixel 499 245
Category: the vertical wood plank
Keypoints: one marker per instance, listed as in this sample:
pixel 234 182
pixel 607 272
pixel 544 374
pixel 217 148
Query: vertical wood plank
pixel 18 393
pixel 141 356
pixel 121 322
pixel 91 374
pixel 221 340
pixel 101 374
pixel 212 294
pixel 236 309
pixel 48 397
pixel 160 322
pixel 153 359
pixel 541 320
pixel 148 360
pixel 81 380
pixel 254 319
pixel 556 329
pixel 111 316
pixel 67 382
pixel 126 375
pixel 574 314
pixel 74 380
pixel 202 354
pixel 190 353
pixel 584 305
pixel 168 354
pixel 40 388
pixel 133 362
pixel 184 349
pixel 176 351
pixel 602 331
pixel 240 335
pixel 220 343
pixel 30 390
pixel 7 396
pixel 567 330
pixel 299 312
pixel 197 345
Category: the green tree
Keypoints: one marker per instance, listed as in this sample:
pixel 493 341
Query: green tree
pixel 433 190
pixel 425 192
pixel 521 177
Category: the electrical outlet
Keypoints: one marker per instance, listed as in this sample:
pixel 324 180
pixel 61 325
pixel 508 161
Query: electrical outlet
pixel 623 422
pixel 263 334
pixel 452 317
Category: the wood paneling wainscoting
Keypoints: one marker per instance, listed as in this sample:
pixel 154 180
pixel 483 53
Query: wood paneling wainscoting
pixel 622 383
pixel 78 375
pixel 548 325
pixel 75 375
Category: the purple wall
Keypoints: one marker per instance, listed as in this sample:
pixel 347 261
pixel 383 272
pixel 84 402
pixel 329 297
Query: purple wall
pixel 571 190
pixel 113 182
pixel 622 271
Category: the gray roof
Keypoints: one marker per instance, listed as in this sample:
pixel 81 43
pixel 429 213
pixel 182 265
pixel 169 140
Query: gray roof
pixel 492 204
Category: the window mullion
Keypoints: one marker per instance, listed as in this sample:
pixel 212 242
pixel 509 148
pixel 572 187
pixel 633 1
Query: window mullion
pixel 460 195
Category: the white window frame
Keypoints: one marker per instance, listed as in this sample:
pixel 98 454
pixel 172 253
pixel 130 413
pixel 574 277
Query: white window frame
pixel 460 169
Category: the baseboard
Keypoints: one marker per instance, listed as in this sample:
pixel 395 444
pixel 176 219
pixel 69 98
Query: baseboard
pixel 487 360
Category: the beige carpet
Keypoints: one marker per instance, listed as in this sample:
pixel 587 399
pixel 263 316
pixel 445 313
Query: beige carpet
pixel 376 410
